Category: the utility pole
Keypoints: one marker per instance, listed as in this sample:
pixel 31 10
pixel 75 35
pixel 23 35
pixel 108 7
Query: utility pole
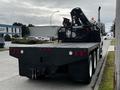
pixel 99 21
pixel 117 46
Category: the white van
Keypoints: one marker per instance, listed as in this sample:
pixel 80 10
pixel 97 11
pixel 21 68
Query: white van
pixel 108 36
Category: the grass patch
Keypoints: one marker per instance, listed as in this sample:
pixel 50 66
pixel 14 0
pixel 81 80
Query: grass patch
pixel 107 82
pixel 113 42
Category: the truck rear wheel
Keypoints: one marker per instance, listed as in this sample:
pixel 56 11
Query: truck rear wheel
pixel 34 75
pixel 95 60
pixel 98 54
pixel 90 70
pixel 90 66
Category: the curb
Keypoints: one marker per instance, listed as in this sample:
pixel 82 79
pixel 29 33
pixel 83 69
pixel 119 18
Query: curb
pixel 101 72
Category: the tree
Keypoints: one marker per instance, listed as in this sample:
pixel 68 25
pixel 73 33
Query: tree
pixel 7 37
pixel 25 29
pixel 30 25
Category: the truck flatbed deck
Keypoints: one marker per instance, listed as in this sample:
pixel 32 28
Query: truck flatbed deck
pixel 62 45
pixel 67 52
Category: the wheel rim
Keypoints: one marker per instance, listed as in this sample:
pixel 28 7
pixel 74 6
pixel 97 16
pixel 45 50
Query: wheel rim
pixel 95 60
pixel 90 66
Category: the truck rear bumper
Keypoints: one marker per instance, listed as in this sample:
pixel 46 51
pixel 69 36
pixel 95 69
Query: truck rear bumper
pixel 49 56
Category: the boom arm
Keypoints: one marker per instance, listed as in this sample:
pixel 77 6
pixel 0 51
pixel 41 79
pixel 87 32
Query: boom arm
pixel 79 30
pixel 79 18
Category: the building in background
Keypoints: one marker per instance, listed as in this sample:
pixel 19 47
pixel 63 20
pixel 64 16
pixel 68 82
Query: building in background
pixel 44 31
pixel 10 30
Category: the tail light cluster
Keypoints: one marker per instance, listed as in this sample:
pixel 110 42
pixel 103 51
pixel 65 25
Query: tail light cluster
pixel 16 52
pixel 78 53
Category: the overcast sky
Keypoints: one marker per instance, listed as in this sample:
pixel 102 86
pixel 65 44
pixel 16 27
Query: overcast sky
pixel 38 12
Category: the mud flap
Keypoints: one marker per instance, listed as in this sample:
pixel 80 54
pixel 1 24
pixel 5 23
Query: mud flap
pixel 79 71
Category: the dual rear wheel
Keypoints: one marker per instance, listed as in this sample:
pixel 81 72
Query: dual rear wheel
pixel 93 60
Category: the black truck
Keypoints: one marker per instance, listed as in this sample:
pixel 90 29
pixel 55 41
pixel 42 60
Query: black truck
pixel 76 55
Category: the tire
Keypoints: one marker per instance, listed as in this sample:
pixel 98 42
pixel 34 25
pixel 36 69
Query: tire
pixel 95 60
pixel 34 75
pixel 90 67
pixel 101 51
pixel 98 55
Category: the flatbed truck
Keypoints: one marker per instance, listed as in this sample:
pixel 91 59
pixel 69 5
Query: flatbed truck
pixel 76 55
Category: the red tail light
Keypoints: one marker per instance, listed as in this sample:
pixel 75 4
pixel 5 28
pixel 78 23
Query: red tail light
pixel 15 52
pixel 80 53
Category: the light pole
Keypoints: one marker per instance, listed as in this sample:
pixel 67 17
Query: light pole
pixel 99 14
pixel 99 21
pixel 52 16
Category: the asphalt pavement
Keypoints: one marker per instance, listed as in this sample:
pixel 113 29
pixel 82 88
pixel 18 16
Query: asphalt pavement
pixel 10 80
